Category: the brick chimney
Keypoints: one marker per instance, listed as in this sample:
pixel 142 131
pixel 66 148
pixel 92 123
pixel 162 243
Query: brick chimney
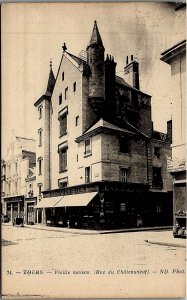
pixel 110 80
pixel 131 72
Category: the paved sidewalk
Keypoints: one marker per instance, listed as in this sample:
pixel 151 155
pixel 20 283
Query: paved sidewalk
pixel 166 240
pixel 89 231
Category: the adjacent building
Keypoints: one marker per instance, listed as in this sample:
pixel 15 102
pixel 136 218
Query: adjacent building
pixel 18 164
pixel 99 162
pixel 175 56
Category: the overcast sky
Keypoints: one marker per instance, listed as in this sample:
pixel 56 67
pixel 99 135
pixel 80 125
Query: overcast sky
pixel 32 34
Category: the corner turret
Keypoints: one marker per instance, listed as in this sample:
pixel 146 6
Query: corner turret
pixel 95 51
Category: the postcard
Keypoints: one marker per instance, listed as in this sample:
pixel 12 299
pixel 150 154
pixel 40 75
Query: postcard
pixel 93 168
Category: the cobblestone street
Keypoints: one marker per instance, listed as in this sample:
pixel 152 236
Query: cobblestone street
pixel 45 260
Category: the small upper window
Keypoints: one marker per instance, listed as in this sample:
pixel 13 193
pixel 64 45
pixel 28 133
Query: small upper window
pixel 125 146
pixel 74 86
pixel 87 147
pixel 87 174
pixel 39 166
pixel 124 173
pixel 62 76
pixel 77 121
pixel 60 99
pixel 66 93
pixel 157 151
pixel 40 137
pixel 40 112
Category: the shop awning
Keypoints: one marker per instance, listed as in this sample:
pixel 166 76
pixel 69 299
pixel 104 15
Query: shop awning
pixel 48 202
pixel 76 200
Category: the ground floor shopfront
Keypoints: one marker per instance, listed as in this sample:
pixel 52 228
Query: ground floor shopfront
pixel 20 207
pixel 14 207
pixel 105 205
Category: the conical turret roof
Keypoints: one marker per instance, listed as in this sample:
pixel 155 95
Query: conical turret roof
pixel 51 81
pixel 95 37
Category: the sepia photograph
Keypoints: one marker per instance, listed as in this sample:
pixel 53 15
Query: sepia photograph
pixel 93 161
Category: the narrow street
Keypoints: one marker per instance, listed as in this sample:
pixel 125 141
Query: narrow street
pixel 44 260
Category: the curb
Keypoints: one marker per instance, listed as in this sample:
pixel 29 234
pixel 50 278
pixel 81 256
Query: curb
pixel 165 244
pixel 96 232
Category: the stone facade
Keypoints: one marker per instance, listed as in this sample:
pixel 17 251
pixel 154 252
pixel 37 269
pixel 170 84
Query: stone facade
pixel 18 163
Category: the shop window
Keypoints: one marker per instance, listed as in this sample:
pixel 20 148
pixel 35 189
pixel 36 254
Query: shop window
pixel 157 152
pixel 157 177
pixel 63 124
pixel 87 147
pixel 66 93
pixel 62 159
pixel 87 174
pixel 60 99
pixel 125 145
pixel 74 87
pixel 124 174
pixel 77 121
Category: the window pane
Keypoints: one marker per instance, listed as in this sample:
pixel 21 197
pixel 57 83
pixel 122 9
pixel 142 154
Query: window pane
pixel 63 125
pixel 63 160
pixel 87 146
pixel 87 175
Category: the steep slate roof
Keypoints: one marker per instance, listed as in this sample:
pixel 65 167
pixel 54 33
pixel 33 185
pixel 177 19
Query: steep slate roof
pixel 95 37
pixel 102 124
pixel 51 82
pixel 121 81
pixel 49 89
pixel 78 60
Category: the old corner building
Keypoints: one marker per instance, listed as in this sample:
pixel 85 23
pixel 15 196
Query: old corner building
pixel 99 163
